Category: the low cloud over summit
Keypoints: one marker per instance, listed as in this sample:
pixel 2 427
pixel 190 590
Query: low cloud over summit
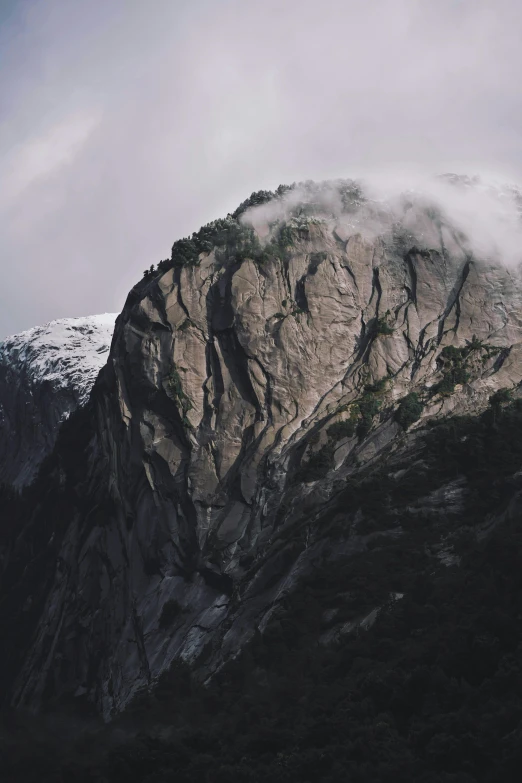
pixel 127 125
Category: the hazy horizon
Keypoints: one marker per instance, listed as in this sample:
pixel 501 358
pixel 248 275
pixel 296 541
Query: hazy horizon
pixel 126 125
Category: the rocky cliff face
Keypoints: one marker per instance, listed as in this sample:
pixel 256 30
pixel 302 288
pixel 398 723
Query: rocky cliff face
pixel 249 380
pixel 45 374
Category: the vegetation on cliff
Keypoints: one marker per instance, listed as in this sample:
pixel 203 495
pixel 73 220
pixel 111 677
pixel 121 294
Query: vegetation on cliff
pixel 431 691
pixel 233 238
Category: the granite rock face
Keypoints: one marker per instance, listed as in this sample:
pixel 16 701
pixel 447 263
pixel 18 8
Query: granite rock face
pixel 242 389
pixel 45 374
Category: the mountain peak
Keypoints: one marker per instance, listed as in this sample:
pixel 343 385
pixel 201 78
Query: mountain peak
pixel 45 373
pixel 278 359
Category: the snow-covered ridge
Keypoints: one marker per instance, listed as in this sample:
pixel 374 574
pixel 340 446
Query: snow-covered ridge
pixel 68 352
pixel 45 374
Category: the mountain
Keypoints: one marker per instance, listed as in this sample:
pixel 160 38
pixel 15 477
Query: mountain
pixel 45 374
pixel 309 418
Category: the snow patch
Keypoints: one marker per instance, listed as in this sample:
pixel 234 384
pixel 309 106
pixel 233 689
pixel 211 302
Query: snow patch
pixel 68 352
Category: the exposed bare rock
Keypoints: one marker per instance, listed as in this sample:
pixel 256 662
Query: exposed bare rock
pixel 215 426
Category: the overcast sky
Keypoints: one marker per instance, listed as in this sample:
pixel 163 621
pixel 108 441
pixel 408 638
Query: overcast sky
pixel 126 124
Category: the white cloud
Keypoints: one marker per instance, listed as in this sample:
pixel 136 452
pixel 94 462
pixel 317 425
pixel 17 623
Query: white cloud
pixel 486 214
pixel 43 155
pixel 199 103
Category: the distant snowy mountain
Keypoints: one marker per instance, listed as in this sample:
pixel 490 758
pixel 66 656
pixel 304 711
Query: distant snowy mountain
pixel 46 373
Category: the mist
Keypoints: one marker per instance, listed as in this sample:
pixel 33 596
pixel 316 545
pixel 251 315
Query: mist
pixel 126 125
pixel 483 216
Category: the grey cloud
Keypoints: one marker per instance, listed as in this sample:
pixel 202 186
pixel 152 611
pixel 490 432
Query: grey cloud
pixel 126 125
